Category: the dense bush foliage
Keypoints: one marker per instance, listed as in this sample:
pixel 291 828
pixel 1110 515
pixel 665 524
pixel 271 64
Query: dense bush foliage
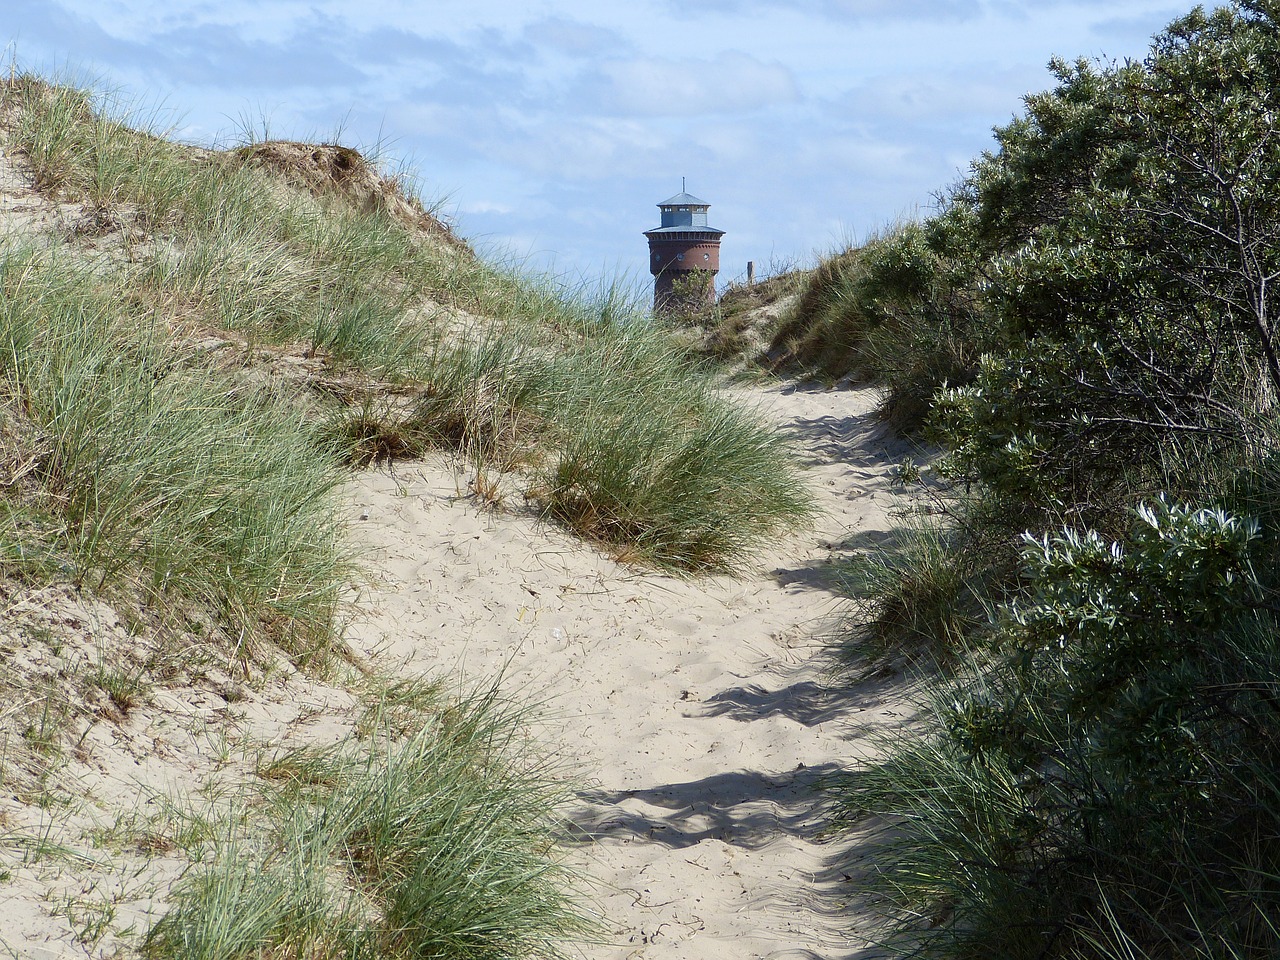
pixel 1123 235
pixel 1103 782
pixel 1107 273
pixel 1130 234
pixel 1109 786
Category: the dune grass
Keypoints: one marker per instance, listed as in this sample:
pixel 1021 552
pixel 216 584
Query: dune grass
pixel 624 441
pixel 894 312
pixel 141 476
pixel 144 469
pixel 290 256
pixel 918 597
pixel 661 465
pixel 432 839
pixel 978 857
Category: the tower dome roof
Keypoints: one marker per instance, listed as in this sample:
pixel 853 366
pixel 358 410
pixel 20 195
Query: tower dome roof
pixel 684 200
pixel 684 212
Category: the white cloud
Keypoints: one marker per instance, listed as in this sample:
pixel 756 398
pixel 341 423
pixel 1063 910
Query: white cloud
pixel 486 206
pixel 730 82
pixel 860 11
pixel 902 99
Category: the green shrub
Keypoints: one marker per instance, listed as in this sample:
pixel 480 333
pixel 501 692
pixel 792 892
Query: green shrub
pixel 1100 780
pixel 1109 785
pixel 1129 232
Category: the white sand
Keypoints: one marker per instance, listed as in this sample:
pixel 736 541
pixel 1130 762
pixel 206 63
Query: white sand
pixel 697 710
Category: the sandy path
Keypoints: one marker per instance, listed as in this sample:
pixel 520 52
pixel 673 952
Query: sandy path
pixel 696 709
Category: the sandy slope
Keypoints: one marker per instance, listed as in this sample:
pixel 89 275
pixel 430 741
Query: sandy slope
pixel 696 712
pixel 696 709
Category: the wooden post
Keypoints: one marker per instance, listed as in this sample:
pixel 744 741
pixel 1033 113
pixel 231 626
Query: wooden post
pixel 751 273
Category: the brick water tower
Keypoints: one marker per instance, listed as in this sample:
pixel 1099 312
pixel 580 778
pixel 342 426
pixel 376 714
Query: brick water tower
pixel 684 255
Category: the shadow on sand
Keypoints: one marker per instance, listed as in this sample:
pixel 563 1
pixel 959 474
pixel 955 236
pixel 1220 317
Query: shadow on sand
pixel 825 573
pixel 749 809
pixel 859 439
pixel 808 702
pixel 744 808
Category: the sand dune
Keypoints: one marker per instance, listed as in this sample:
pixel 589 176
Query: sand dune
pixel 696 710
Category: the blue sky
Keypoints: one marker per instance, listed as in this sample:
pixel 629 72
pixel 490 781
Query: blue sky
pixel 549 129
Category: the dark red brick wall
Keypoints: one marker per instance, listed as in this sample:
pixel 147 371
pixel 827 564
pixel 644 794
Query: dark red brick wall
pixel 664 255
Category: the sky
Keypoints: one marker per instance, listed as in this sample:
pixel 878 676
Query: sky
pixel 548 130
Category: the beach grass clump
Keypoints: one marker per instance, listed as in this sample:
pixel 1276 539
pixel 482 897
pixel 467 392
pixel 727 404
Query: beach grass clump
pixel 661 465
pixel 919 596
pixel 481 397
pixel 240 249
pixel 147 475
pixel 90 146
pixel 372 432
pixel 486 395
pixel 623 439
pixel 434 839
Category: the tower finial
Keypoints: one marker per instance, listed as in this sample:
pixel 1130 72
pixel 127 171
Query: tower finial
pixel 682 190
